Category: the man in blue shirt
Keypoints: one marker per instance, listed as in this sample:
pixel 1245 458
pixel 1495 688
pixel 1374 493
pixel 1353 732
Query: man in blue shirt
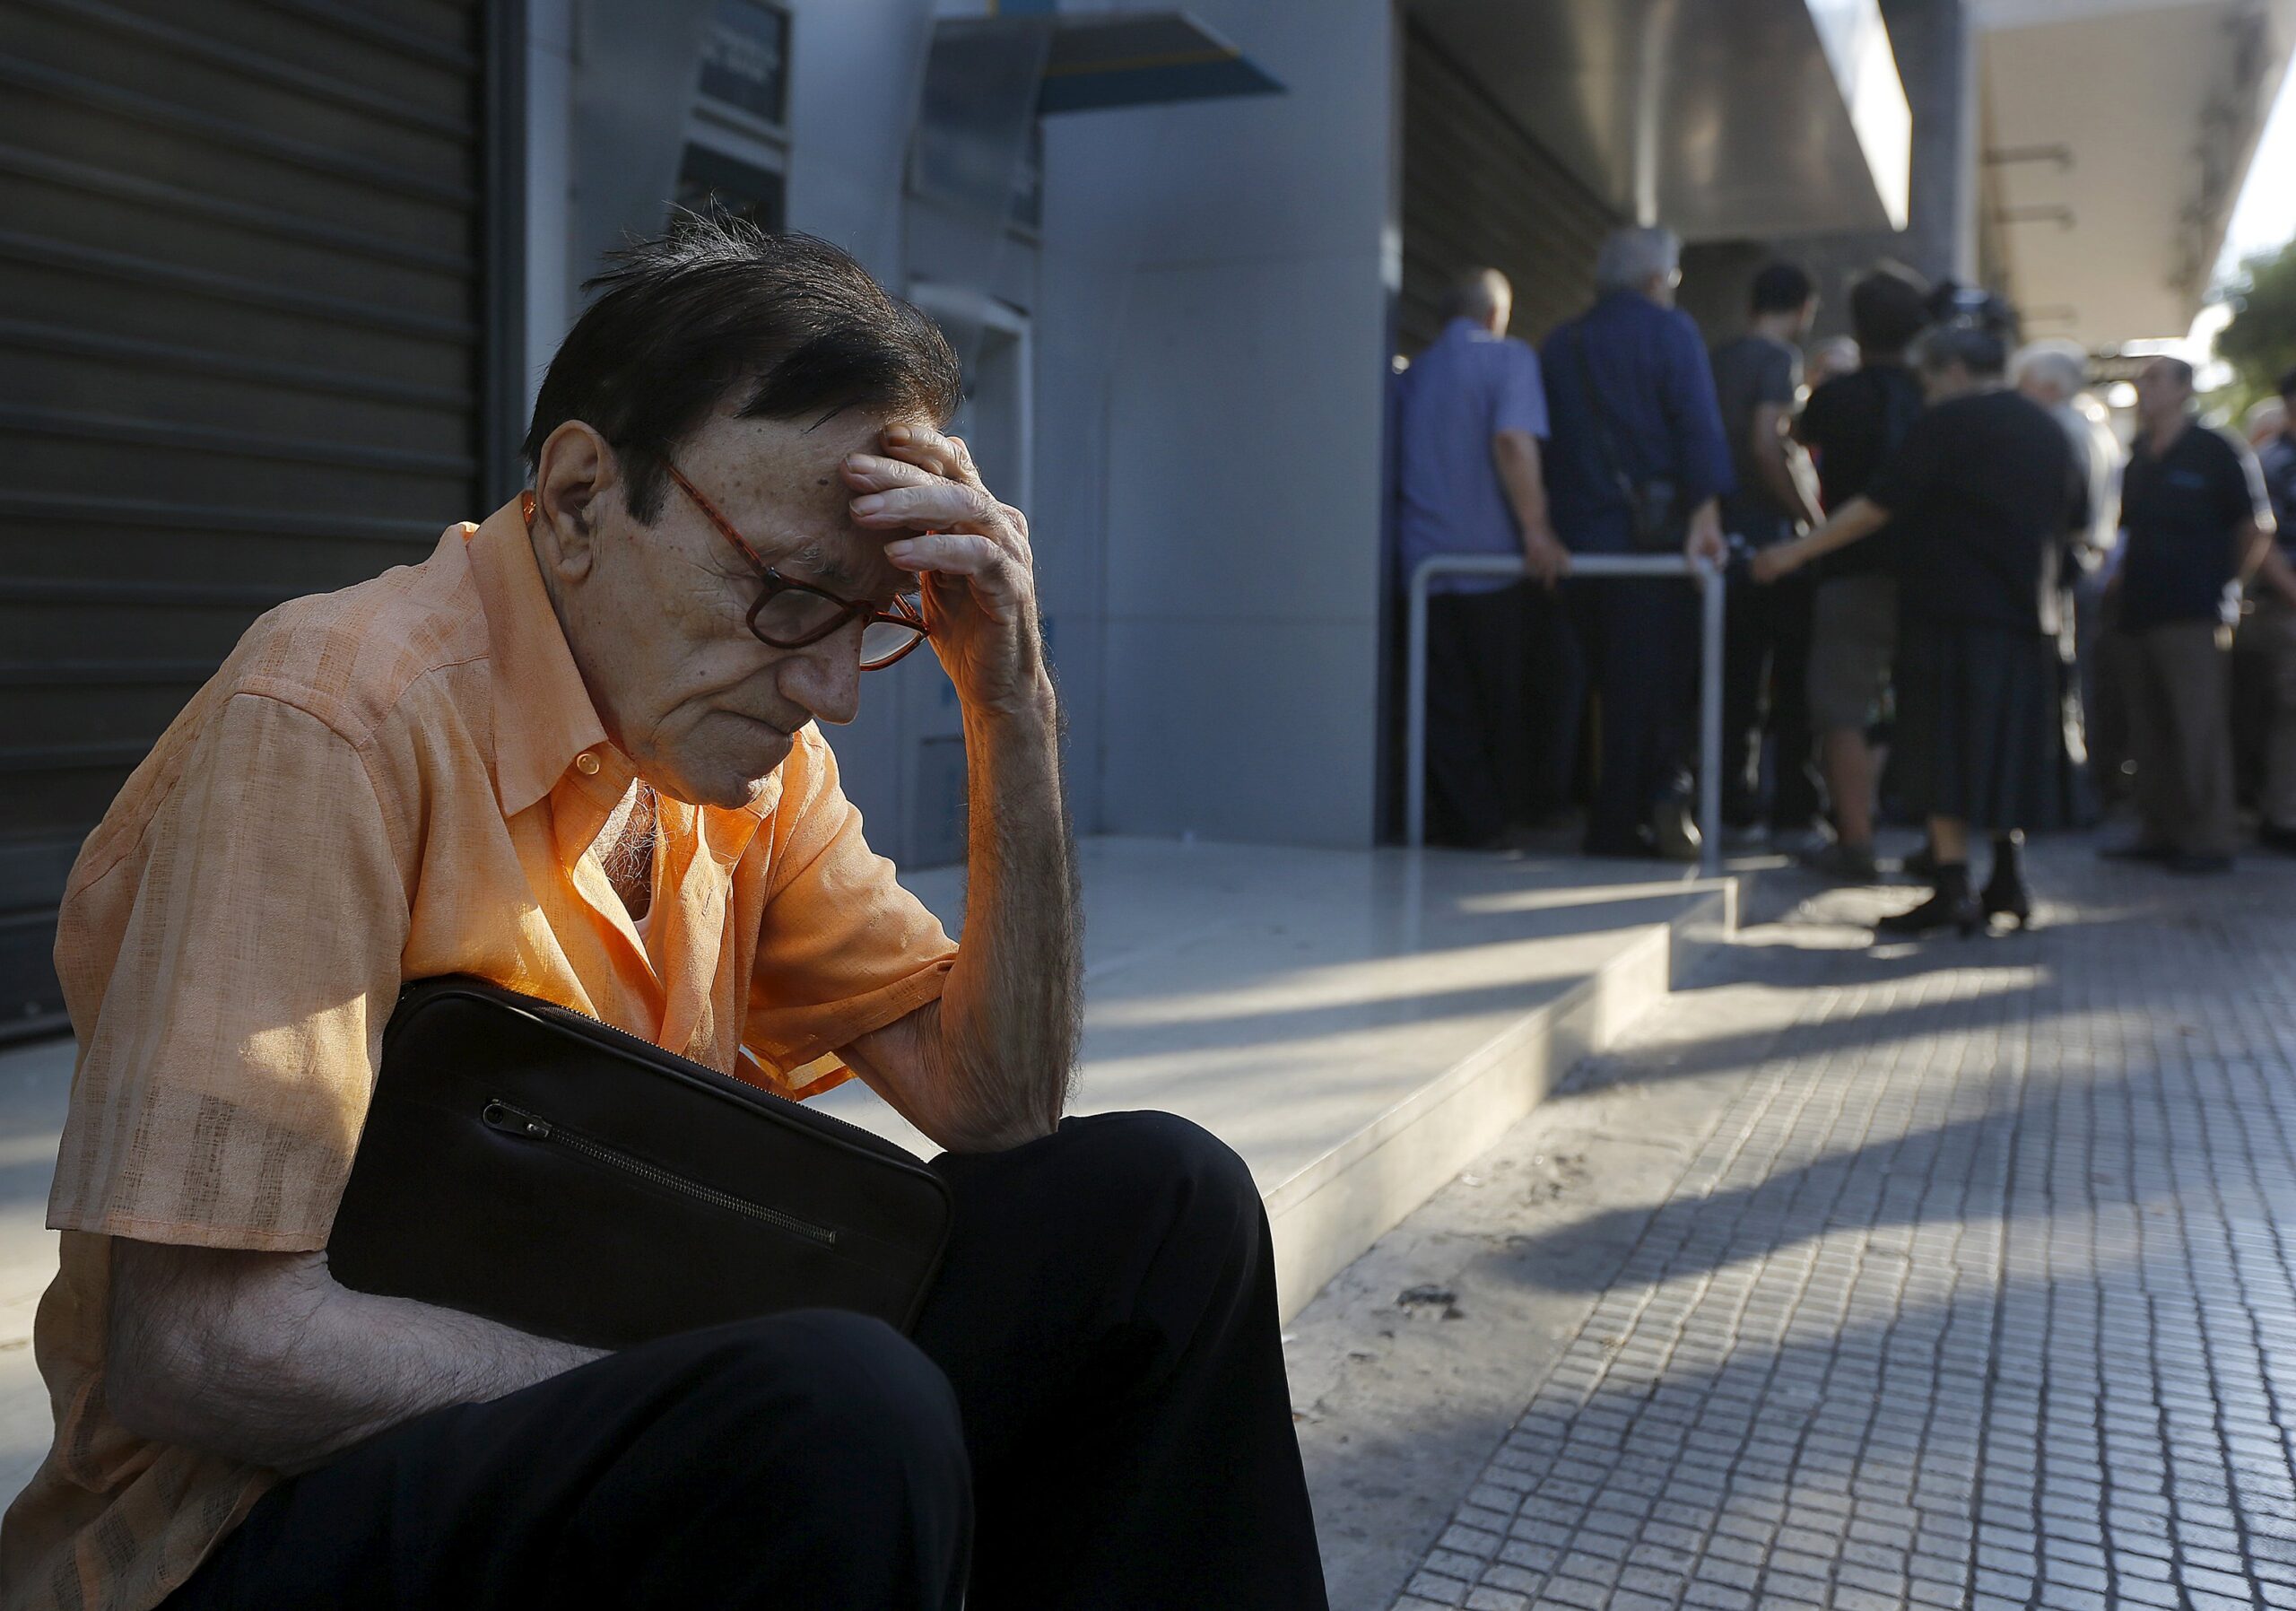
pixel 1632 404
pixel 1470 412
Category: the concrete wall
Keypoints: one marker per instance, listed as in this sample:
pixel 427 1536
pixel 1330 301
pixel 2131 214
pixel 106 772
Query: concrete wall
pixel 1215 309
pixel 1208 310
pixel 854 71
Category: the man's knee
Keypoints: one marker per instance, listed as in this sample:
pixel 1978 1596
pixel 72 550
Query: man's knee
pixel 847 1388
pixel 1149 1156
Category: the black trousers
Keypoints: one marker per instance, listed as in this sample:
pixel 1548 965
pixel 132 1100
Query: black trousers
pixel 1636 642
pixel 1765 702
pixel 1479 737
pixel 1092 1413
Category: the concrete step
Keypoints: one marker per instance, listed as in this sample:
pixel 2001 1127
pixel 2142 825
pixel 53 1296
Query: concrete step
pixel 1357 1026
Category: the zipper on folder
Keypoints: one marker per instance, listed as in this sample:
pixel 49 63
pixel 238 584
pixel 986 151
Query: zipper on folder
pixel 501 1116
pixel 813 1115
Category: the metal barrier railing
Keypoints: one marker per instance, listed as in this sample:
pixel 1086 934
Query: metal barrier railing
pixel 1709 581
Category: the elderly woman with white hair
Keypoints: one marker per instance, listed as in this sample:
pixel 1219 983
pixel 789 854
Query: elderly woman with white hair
pixel 1980 492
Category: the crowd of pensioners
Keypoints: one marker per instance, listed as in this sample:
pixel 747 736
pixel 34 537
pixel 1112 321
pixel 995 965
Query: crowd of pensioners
pixel 1957 595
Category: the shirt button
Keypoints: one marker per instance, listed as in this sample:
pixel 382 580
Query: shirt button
pixel 587 764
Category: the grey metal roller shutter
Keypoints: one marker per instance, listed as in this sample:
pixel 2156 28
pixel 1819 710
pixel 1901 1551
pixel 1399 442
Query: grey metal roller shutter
pixel 241 344
pixel 1479 192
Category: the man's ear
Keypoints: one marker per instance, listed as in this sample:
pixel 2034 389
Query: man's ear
pixel 575 478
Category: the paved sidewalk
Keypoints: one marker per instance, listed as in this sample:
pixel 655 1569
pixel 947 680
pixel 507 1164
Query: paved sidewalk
pixel 1975 1293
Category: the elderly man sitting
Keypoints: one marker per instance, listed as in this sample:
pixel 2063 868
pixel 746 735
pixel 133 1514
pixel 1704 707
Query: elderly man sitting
pixel 574 752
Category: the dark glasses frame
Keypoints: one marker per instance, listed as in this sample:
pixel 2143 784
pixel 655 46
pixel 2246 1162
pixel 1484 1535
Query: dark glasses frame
pixel 773 584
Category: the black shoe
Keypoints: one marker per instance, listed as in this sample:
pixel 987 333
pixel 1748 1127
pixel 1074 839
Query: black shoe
pixel 2007 897
pixel 2199 866
pixel 1920 864
pixel 2141 851
pixel 1674 828
pixel 2006 894
pixel 2272 836
pixel 1951 907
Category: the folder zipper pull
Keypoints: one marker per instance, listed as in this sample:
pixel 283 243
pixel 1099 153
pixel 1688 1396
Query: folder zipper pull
pixel 499 1115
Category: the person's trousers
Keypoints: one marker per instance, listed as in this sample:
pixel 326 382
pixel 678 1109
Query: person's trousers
pixel 1479 737
pixel 1092 1413
pixel 2269 634
pixel 2180 735
pixel 1766 655
pixel 2104 703
pixel 1638 643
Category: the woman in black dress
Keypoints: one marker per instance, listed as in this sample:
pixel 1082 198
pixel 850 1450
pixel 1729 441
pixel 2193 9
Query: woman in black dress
pixel 1978 495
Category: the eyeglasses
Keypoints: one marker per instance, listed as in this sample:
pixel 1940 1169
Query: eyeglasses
pixel 790 614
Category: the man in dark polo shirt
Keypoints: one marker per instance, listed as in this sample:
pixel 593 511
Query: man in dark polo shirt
pixel 2198 523
pixel 1758 380
pixel 1851 425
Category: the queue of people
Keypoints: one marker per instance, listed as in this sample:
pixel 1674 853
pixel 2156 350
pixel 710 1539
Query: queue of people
pixel 1947 589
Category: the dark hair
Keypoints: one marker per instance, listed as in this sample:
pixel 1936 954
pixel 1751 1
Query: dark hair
pixel 1888 308
pixel 2288 384
pixel 1973 347
pixel 715 306
pixel 2178 367
pixel 1782 288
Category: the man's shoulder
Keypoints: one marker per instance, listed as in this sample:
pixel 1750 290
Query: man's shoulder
pixel 2224 446
pixel 1679 323
pixel 351 657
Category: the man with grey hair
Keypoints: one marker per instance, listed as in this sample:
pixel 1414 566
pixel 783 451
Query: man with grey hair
pixel 1637 462
pixel 1469 413
pixel 2196 524
pixel 2055 373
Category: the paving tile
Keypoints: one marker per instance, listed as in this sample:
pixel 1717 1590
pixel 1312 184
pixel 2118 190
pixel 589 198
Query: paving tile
pixel 1974 1297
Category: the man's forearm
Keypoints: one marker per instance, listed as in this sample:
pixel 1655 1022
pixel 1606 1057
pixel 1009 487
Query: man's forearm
pixel 1515 457
pixel 1784 488
pixel 1012 1008
pixel 2250 544
pixel 1854 522
pixel 265 1358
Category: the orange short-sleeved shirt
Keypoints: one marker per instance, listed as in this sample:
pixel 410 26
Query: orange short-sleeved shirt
pixel 395 781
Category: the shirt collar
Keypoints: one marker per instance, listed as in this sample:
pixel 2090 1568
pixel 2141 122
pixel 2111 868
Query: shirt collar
pixel 542 714
pixel 543 720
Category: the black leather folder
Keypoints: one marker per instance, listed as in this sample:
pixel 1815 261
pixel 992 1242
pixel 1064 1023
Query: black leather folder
pixel 529 1164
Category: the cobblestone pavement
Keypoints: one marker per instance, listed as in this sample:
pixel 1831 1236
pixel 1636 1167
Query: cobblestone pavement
pixel 1978 1294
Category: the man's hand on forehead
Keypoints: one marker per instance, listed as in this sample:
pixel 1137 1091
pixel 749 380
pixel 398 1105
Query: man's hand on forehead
pixel 922 491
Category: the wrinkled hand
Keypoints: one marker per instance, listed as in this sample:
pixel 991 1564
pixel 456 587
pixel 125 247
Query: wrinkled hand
pixel 1545 558
pixel 1769 564
pixel 972 554
pixel 1705 544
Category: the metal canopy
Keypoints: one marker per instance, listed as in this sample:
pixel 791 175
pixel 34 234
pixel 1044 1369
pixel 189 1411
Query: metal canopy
pixel 1721 118
pixel 1142 60
pixel 2118 134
